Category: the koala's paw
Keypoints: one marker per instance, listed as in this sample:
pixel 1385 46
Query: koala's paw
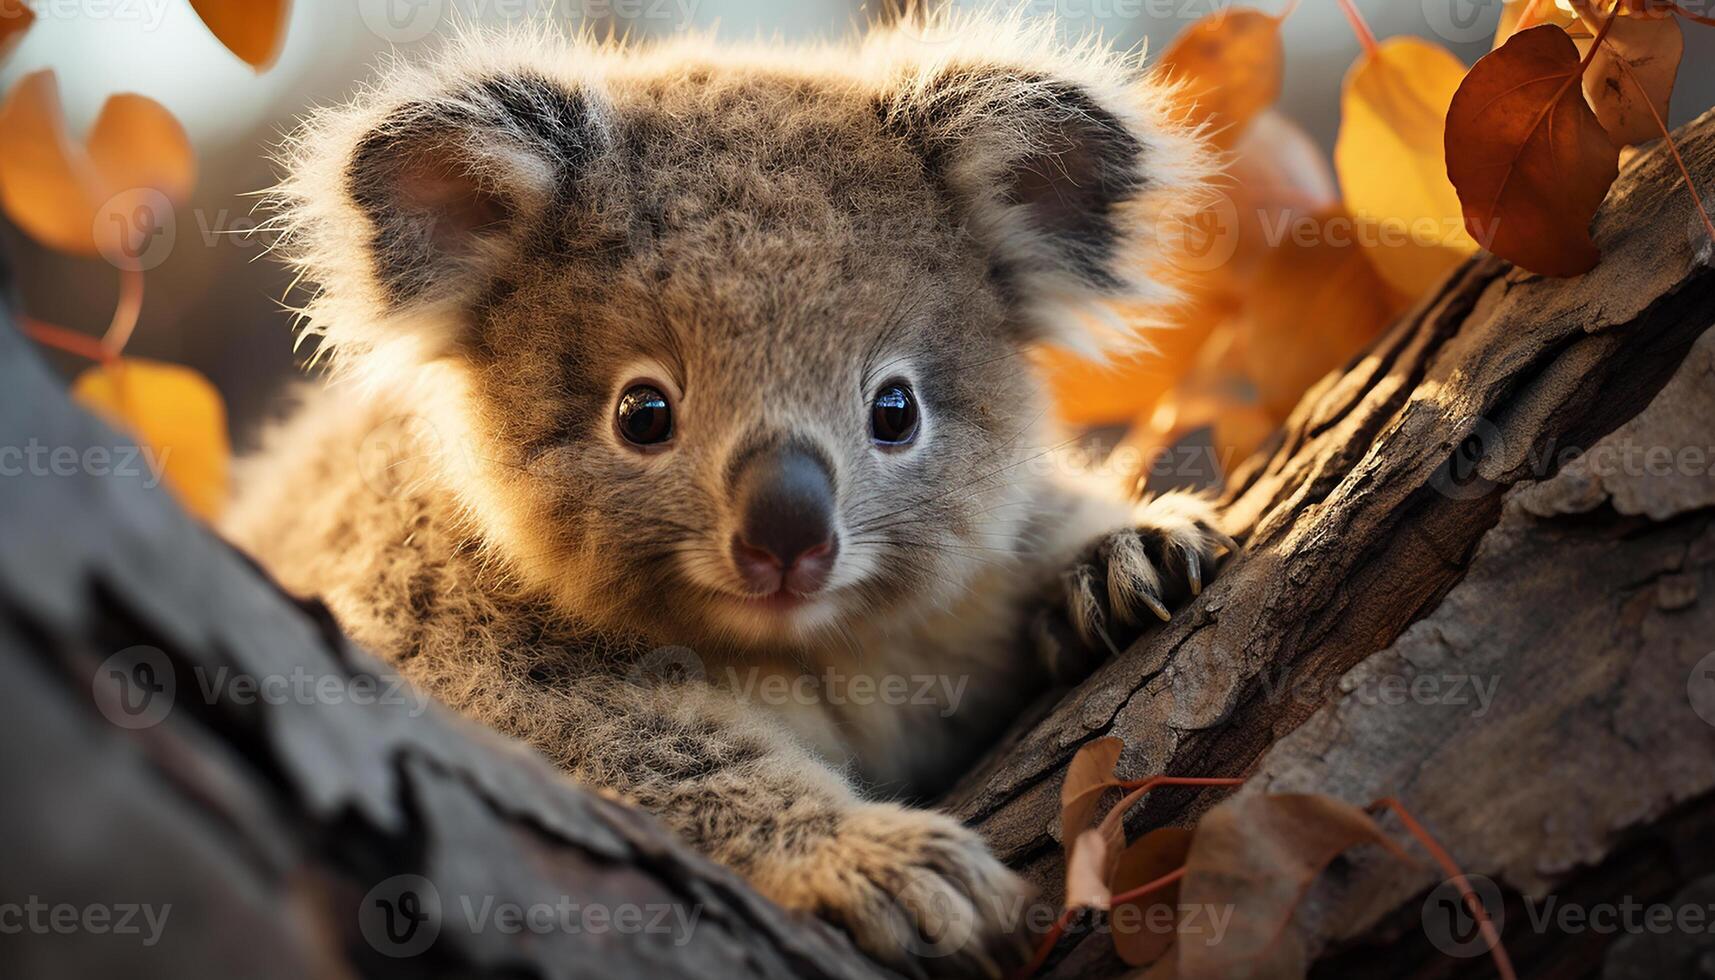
pixel 916 890
pixel 1127 579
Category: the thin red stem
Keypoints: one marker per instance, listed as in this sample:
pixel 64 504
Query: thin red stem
pixel 1503 962
pixel 49 335
pixel 1366 37
pixel 1601 36
pixel 1046 947
pixel 1134 894
pixel 125 312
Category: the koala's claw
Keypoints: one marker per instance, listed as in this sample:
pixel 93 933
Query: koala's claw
pixel 1150 568
pixel 918 891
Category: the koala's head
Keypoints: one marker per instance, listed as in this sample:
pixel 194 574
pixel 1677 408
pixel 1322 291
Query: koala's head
pixel 736 341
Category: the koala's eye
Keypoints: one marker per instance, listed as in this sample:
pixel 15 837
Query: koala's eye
pixel 644 418
pixel 893 416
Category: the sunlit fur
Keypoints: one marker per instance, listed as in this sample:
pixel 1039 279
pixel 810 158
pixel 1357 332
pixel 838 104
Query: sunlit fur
pixel 771 234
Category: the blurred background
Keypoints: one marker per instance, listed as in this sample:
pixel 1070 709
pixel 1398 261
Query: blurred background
pixel 214 303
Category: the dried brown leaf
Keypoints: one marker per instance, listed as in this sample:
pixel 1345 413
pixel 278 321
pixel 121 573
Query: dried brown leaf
pixel 1257 854
pixel 1144 928
pixel 1529 158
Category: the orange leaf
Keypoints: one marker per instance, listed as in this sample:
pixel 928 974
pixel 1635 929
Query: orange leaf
pixel 1144 929
pixel 1628 98
pixel 47 184
pixel 1392 160
pixel 175 413
pixel 136 143
pixel 1090 393
pixel 1277 173
pixel 1530 160
pixel 1322 301
pixel 1230 65
pixel 1216 394
pixel 15 18
pixel 1257 854
pixel 254 30
pixel 103 199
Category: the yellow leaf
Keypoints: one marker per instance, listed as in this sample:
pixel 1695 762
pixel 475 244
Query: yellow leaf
pixel 67 196
pixel 1391 159
pixel 254 30
pixel 173 412
pixel 15 18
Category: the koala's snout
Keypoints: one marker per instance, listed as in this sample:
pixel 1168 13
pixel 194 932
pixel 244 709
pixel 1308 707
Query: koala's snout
pixel 786 537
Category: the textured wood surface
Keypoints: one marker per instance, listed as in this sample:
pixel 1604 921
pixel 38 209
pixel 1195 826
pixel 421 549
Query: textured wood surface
pixel 1415 521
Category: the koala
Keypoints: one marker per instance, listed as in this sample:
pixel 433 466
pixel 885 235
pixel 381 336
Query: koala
pixel 682 420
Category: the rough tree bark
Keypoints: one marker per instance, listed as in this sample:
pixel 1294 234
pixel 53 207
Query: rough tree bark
pixel 1419 517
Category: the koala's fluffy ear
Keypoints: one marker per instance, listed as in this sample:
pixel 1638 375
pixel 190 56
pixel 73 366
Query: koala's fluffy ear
pixel 1063 163
pixel 401 206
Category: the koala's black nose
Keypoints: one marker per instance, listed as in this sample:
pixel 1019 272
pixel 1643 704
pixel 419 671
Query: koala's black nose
pixel 785 500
